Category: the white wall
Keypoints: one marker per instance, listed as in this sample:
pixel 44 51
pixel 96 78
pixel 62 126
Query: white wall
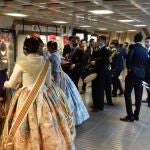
pixel 20 41
pixel 123 37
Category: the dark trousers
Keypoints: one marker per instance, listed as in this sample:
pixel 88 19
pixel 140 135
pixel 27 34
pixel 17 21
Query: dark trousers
pixel 107 87
pixel 99 85
pixel 116 84
pixel 133 82
pixel 3 78
pixel 75 76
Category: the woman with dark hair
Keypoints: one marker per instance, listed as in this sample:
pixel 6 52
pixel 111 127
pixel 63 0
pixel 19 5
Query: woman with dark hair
pixel 63 80
pixel 39 116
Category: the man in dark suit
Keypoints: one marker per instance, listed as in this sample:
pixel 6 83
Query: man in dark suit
pixel 76 58
pixel 87 54
pixel 117 66
pixel 67 49
pixel 103 79
pixel 136 63
pixel 147 45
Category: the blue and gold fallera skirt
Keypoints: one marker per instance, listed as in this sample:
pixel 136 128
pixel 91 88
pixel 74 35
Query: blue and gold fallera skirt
pixel 49 124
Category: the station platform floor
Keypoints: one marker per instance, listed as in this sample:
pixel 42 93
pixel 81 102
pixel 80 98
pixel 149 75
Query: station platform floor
pixel 104 130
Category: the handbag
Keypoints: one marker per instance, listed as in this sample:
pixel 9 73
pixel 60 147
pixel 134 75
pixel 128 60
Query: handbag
pixel 9 136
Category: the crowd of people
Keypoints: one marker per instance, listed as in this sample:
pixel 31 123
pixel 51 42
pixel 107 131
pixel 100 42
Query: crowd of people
pixel 108 61
pixel 47 105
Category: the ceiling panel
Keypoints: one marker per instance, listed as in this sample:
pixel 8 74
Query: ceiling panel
pixel 76 12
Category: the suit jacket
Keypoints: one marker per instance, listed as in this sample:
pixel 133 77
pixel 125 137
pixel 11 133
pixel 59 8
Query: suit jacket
pixel 137 59
pixel 77 58
pixel 102 60
pixel 66 50
pixel 87 55
pixel 117 64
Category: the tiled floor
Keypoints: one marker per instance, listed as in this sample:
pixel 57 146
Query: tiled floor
pixel 104 130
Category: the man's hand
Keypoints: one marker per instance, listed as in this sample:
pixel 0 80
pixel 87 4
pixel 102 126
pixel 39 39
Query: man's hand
pixel 92 63
pixel 72 66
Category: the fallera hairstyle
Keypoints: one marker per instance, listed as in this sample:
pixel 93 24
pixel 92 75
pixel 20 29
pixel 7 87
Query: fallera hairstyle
pixel 31 45
pixel 138 37
pixel 52 45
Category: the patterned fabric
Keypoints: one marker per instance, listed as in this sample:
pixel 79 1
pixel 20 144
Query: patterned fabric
pixel 75 101
pixel 74 98
pixel 48 124
pixel 56 68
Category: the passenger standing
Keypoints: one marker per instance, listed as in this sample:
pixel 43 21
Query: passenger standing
pixel 67 49
pixel 136 62
pixel 39 117
pixel 87 55
pixel 103 79
pixel 76 58
pixel 117 65
pixel 74 99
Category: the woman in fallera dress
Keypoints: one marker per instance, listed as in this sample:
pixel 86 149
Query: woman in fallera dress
pixel 48 122
pixel 77 106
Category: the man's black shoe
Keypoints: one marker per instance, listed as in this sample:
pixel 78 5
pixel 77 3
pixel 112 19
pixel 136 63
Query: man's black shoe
pixel 127 119
pixel 136 118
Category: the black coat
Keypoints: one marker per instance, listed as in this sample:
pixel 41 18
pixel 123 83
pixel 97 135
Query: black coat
pixel 66 50
pixel 76 56
pixel 87 56
pixel 137 59
pixel 117 64
pixel 102 60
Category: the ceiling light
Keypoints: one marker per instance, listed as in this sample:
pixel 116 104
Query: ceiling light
pixel 80 17
pixel 140 25
pixel 16 14
pixel 101 12
pixel 102 29
pixel 126 20
pixel 132 30
pixel 85 26
pixel 59 22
